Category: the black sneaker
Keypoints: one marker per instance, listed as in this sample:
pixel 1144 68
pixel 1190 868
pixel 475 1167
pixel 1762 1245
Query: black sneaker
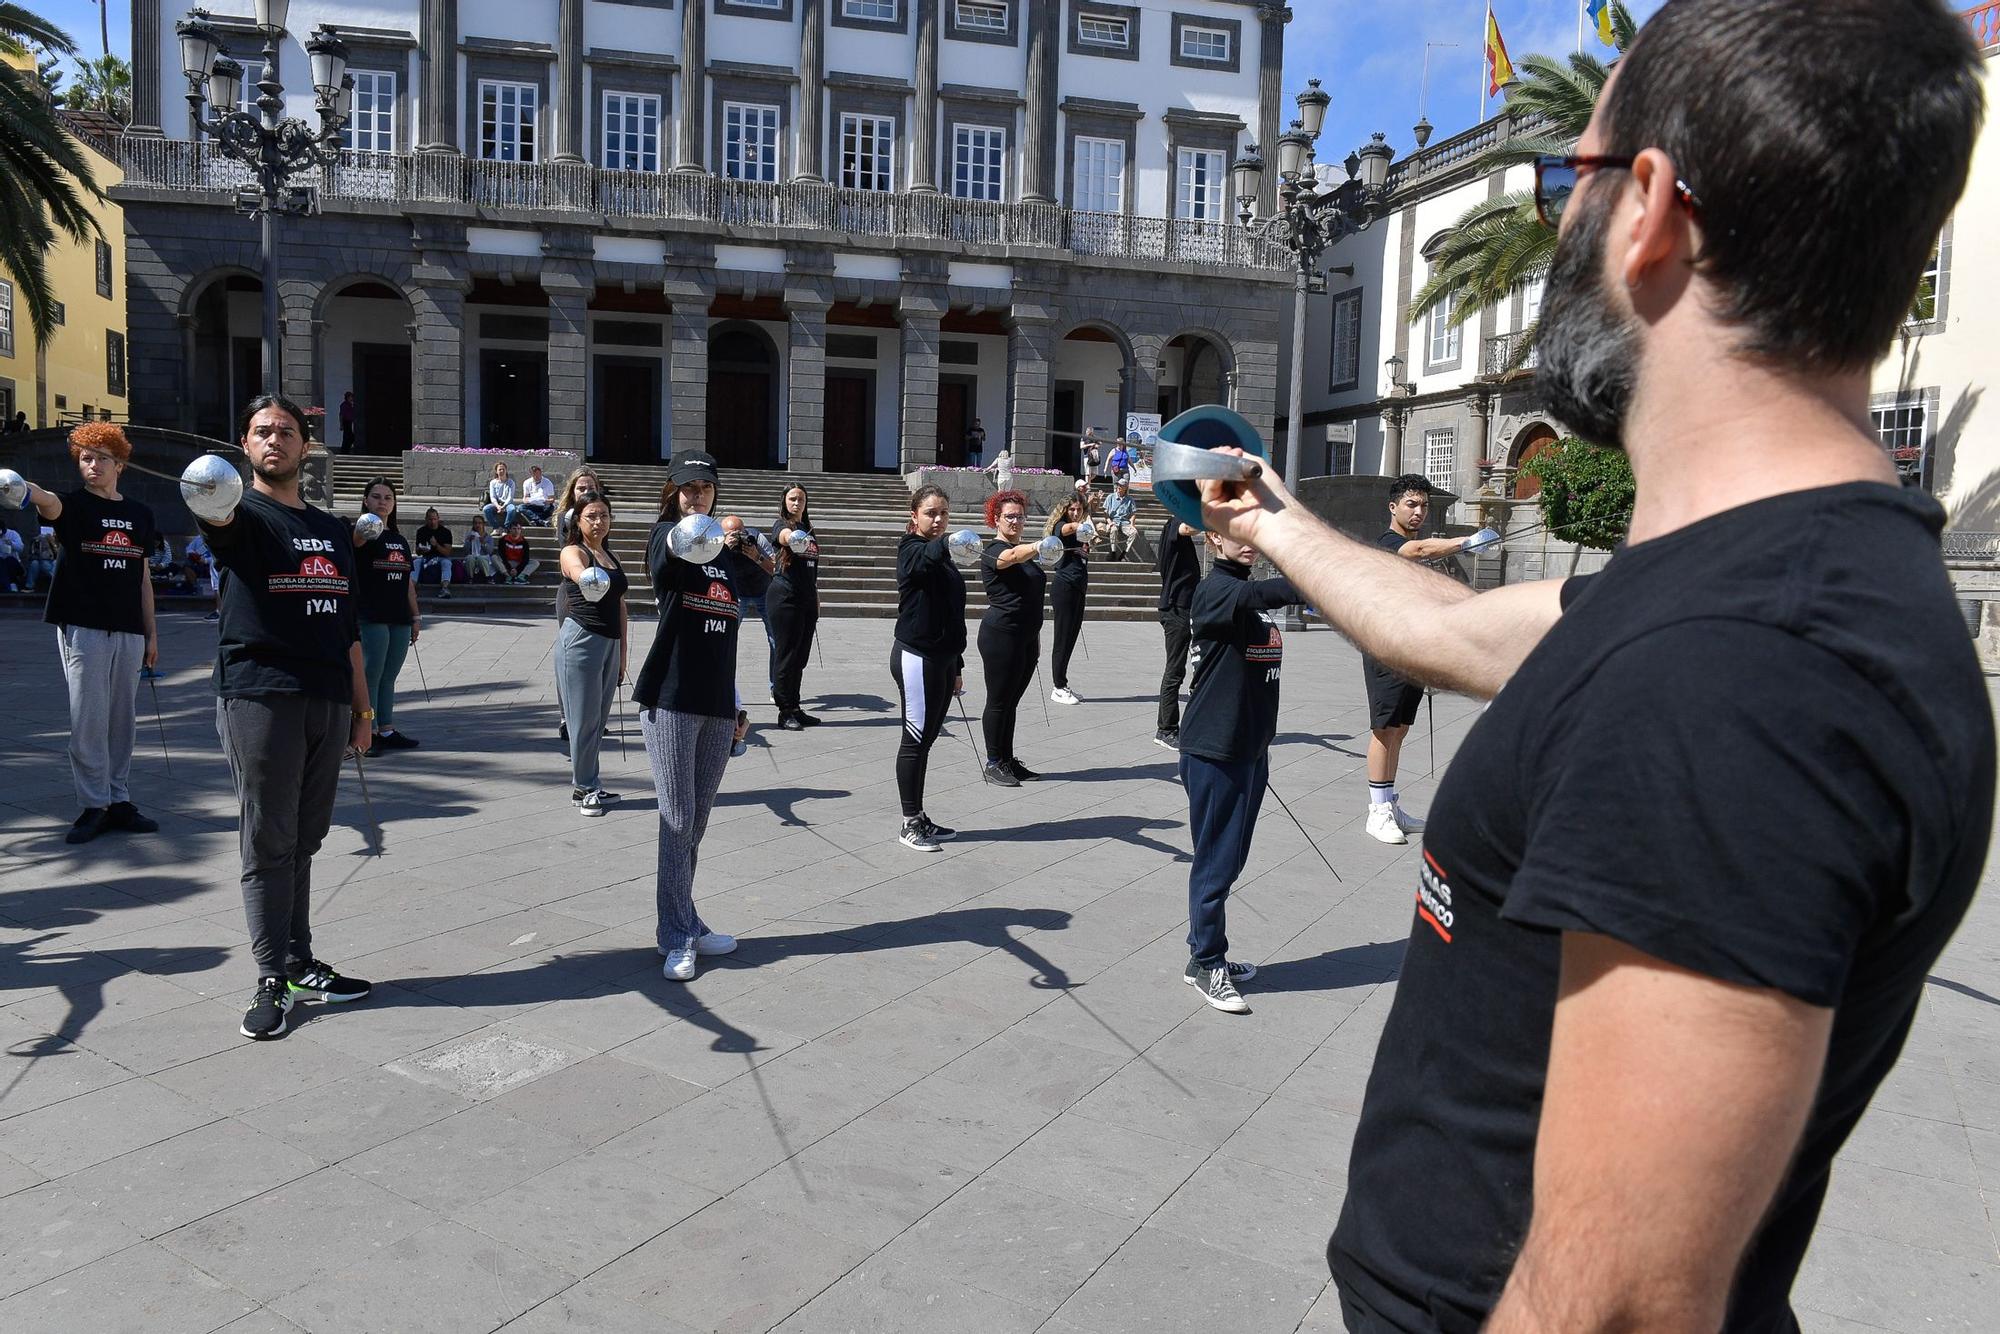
pixel 1218 985
pixel 1023 772
pixel 88 825
pixel 319 979
pixel 577 794
pixel 124 815
pixel 808 719
pixel 269 1009
pixel 791 722
pixel 396 741
pixel 998 774
pixel 1170 737
pixel 915 837
pixel 937 831
pixel 213 616
pixel 562 730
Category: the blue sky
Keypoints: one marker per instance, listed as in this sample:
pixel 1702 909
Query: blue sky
pixel 1369 54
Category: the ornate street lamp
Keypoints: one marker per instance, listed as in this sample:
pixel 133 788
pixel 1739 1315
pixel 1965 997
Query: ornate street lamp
pixel 275 148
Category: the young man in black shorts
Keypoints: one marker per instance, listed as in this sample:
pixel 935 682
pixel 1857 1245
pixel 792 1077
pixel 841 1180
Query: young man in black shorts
pixel 1688 874
pixel 1393 700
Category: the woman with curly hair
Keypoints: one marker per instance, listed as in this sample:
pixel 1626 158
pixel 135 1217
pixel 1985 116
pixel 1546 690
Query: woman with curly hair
pixel 1067 589
pixel 1010 633
pixel 101 604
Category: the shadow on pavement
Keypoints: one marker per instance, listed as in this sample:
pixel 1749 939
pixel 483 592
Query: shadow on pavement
pixel 1351 965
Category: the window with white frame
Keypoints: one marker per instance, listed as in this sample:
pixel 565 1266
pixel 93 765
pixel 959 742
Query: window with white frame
pixel 1340 453
pixel 1099 185
pixel 867 152
pixel 1903 424
pixel 982 15
pixel 1444 334
pixel 507 120
pixel 758 4
pixel 881 10
pixel 749 141
pixel 6 318
pixel 631 132
pixel 372 126
pixel 1441 457
pixel 1930 283
pixel 1207 44
pixel 1104 30
pixel 1344 371
pixel 979 162
pixel 1202 184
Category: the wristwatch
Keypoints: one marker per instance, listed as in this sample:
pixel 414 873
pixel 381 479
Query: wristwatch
pixel 368 715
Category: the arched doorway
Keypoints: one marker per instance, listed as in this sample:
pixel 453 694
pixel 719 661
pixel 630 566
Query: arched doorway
pixel 224 351
pixel 1088 390
pixel 1194 370
pixel 742 396
pixel 1529 441
pixel 365 350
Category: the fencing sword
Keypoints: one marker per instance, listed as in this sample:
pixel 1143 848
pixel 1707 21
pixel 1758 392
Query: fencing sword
pixel 157 718
pixel 422 676
pixel 367 802
pixel 1039 683
pixel 970 740
pixel 1302 831
pixel 619 695
pixel 1431 727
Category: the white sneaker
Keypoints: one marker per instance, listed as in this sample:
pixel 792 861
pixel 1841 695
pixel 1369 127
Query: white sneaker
pixel 714 943
pixel 1382 823
pixel 592 804
pixel 679 966
pixel 1407 822
pixel 1064 695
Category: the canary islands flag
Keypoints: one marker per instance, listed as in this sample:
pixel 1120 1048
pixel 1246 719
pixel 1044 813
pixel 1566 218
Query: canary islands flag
pixel 1499 69
pixel 1600 14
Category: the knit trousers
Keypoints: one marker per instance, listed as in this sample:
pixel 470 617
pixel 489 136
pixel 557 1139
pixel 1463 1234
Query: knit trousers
pixel 688 752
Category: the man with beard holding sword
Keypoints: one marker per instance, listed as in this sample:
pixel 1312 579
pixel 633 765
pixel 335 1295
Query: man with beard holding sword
pixel 1685 879
pixel 291 698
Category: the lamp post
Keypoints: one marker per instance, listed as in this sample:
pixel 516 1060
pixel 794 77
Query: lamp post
pixel 275 149
pixel 1396 415
pixel 1308 220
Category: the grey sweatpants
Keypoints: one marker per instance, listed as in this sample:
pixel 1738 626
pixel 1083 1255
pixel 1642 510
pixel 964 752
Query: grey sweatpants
pixel 688 752
pixel 284 752
pixel 586 677
pixel 102 669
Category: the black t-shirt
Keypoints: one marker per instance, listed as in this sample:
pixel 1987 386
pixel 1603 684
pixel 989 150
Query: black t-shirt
pixel 691 667
pixel 930 612
pixel 1179 568
pixel 746 573
pixel 382 580
pixel 600 617
pixel 288 607
pixel 428 534
pixel 1232 710
pixel 101 572
pixel 797 575
pixel 1392 542
pixel 1014 596
pixel 1072 568
pixel 1759 748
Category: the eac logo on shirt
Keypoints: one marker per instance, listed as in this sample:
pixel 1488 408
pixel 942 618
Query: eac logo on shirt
pixel 318 567
pixel 113 538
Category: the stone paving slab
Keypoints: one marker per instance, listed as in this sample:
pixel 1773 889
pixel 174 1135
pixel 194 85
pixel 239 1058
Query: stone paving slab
pixel 966 1091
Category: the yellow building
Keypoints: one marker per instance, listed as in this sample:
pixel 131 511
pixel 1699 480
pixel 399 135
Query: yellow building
pixel 80 370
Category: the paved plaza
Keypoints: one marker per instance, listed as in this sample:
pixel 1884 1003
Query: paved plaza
pixel 955 1092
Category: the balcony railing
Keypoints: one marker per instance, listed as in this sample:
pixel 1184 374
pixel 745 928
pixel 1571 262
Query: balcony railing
pixel 1500 352
pixel 442 178
pixel 1984 21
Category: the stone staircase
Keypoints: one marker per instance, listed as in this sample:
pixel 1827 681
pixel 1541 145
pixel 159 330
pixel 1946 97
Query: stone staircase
pixel 859 518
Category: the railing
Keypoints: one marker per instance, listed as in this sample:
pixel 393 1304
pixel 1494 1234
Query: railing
pixel 1962 547
pixel 1499 355
pixel 416 178
pixel 1984 20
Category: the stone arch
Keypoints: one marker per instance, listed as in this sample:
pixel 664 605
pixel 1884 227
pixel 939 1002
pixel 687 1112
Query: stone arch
pixel 743 407
pixel 1531 439
pixel 363 340
pixel 1198 367
pixel 1086 389
pixel 221 349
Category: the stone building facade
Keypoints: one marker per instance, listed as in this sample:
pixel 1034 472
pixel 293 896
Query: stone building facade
pixel 822 234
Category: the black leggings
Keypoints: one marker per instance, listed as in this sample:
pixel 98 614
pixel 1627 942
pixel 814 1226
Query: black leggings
pixel 925 685
pixel 1009 654
pixel 1066 601
pixel 793 620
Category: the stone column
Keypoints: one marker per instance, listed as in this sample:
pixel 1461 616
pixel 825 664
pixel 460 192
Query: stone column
pixel 689 128
pixel 1482 426
pixel 1030 371
pixel 437 60
pixel 690 287
pixel 812 91
pixel 808 294
pixel 924 130
pixel 1270 93
pixel 184 410
pixel 145 68
pixel 1044 38
pixel 568 287
pixel 1393 419
pixel 922 312
pixel 438 304
pixel 569 82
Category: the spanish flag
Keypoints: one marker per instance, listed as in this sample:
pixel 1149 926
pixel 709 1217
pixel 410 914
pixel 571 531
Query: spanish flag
pixel 1499 69
pixel 1600 15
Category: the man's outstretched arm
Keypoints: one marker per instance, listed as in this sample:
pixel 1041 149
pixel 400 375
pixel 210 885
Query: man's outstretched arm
pixel 1422 624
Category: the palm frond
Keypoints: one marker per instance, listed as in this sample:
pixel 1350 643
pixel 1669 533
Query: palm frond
pixel 1623 28
pixel 46 184
pixel 20 29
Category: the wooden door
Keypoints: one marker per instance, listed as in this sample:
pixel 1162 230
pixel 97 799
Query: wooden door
pixel 627 413
pixel 739 418
pixel 849 442
pixel 382 418
pixel 954 418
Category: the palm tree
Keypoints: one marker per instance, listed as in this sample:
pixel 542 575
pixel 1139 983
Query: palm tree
pixel 103 84
pixel 45 180
pixel 1499 244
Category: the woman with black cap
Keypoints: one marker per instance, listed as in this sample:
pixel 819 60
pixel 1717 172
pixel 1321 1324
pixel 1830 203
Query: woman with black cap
pixel 1010 634
pixel 928 658
pixel 686 693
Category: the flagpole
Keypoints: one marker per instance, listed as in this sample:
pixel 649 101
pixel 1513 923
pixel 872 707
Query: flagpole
pixel 1579 27
pixel 1485 60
